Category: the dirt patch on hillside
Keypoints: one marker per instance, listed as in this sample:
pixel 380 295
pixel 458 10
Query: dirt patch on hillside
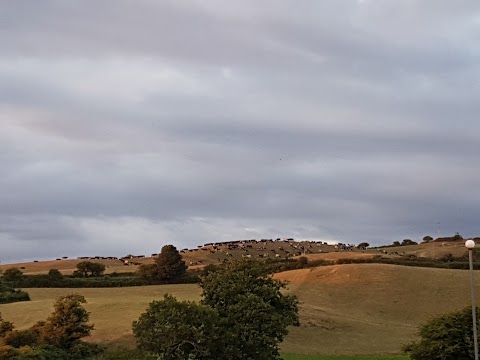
pixel 338 255
pixel 348 274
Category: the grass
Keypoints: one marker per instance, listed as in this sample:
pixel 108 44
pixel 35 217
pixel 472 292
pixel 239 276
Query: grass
pixel 350 309
pixel 344 357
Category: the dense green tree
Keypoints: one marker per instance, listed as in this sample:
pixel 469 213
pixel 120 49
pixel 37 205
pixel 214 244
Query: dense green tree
pixel 13 275
pixel 178 330
pixel 88 268
pixel 243 315
pixel 168 265
pixel 447 337
pixel 255 314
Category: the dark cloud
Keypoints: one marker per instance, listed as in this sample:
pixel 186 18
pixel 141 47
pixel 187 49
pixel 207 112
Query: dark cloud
pixel 128 125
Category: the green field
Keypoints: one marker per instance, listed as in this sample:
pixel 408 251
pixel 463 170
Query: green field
pixel 344 357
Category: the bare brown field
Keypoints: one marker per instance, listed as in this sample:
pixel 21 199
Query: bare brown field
pixel 345 309
pixel 339 255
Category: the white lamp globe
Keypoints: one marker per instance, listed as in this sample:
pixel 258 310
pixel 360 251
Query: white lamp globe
pixel 469 244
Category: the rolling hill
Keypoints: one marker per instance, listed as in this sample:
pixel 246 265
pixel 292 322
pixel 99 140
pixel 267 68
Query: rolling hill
pixel 345 309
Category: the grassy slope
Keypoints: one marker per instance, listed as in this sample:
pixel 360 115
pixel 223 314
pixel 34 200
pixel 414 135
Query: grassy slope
pixel 112 309
pixel 431 250
pixel 345 309
pixel 343 357
pixel 369 308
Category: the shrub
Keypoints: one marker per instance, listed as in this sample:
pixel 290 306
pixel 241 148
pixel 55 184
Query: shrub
pixel 447 337
pixel 178 330
pixel 243 315
pixel 13 275
pixel 67 324
pixel 5 326
pixel 88 268
pixel 55 274
pixel 19 338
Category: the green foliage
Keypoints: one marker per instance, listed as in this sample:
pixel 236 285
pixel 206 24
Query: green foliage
pixel 255 314
pixel 363 245
pixel 168 266
pixel 81 352
pixel 343 357
pixel 13 275
pixel 243 315
pixel 55 274
pixel 9 294
pixel 447 337
pixel 178 330
pixel 125 354
pixel 88 268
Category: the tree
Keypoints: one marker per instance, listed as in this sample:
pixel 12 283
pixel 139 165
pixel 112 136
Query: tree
pixel 178 330
pixel 168 265
pixel 55 274
pixel 447 337
pixel 406 242
pixel 243 315
pixel 254 313
pixel 363 245
pixel 396 243
pixel 13 275
pixel 67 324
pixel 427 238
pixel 88 268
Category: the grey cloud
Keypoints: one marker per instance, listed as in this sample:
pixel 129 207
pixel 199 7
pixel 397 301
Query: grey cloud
pixel 196 121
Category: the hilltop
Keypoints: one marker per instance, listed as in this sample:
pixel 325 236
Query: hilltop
pixel 210 253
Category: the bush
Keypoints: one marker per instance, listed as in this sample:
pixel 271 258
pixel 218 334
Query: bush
pixel 19 338
pixel 13 275
pixel 88 268
pixel 67 324
pixel 447 337
pixel 243 315
pixel 55 274
pixel 178 330
pixel 5 326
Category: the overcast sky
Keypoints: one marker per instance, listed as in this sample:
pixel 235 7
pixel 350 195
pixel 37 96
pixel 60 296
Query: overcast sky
pixel 128 125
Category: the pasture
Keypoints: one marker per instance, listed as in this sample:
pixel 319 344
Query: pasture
pixel 343 357
pixel 350 309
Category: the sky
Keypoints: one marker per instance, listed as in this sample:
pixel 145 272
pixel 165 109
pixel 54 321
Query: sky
pixel 128 125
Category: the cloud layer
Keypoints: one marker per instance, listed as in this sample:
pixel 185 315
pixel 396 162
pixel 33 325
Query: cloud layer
pixel 129 125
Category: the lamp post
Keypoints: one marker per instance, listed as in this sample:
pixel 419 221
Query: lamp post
pixel 470 245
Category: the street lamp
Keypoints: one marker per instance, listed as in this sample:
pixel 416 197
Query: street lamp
pixel 470 245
